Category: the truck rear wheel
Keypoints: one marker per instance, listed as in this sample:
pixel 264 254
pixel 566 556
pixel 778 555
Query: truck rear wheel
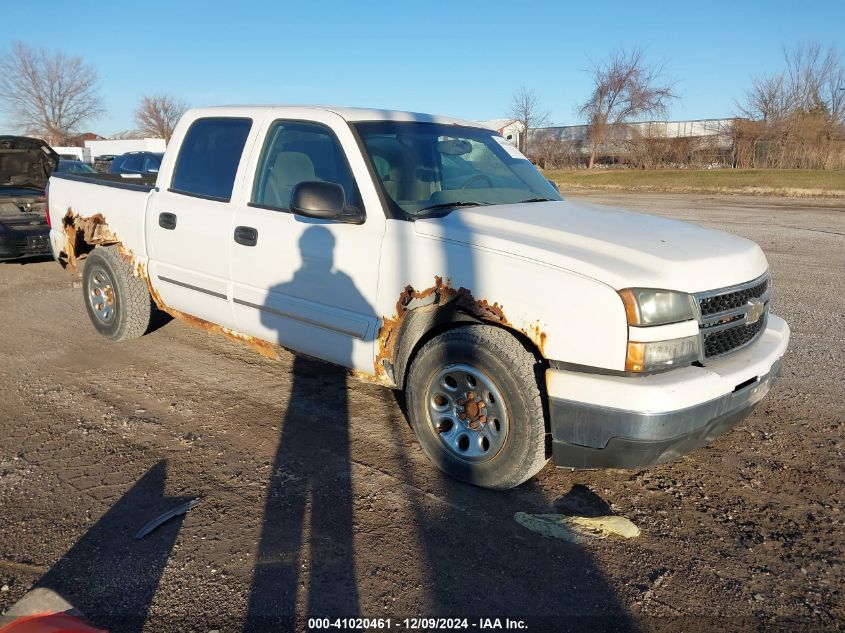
pixel 118 303
pixel 474 402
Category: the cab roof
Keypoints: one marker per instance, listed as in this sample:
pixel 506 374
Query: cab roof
pixel 352 114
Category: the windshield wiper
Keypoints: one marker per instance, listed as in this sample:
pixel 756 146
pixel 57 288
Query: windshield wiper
pixel 537 200
pixel 451 205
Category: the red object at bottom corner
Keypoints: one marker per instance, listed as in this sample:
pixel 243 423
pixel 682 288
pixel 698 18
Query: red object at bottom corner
pixel 50 623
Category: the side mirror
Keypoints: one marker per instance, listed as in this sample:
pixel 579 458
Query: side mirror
pixel 323 201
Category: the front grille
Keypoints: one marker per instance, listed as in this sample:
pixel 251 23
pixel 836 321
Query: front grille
pixel 724 316
pixel 730 339
pixel 731 300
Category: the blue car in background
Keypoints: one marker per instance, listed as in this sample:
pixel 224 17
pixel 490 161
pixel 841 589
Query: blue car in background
pixel 136 163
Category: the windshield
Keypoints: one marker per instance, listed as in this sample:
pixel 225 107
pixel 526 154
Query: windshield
pixel 426 168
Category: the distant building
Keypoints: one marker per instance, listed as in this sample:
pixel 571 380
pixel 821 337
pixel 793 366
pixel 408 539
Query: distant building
pixel 74 152
pixel 509 128
pixel 117 146
pixel 705 141
pixel 124 135
pixel 79 139
pixel 717 129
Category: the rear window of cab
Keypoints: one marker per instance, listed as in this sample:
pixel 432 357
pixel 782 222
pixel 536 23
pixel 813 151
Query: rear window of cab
pixel 209 157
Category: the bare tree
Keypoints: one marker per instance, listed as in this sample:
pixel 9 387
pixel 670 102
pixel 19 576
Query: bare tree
pixel 526 109
pixel 768 99
pixel 48 94
pixel 625 88
pixel 809 83
pixel 158 115
pixel 797 116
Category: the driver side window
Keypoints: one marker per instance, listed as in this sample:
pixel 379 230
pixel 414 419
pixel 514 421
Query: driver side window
pixel 295 152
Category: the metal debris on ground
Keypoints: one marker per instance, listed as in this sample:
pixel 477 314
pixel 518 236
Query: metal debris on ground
pixel 175 512
pixel 577 529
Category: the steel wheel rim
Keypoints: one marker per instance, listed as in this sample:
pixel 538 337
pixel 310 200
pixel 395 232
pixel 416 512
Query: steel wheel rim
pixel 101 296
pixel 467 413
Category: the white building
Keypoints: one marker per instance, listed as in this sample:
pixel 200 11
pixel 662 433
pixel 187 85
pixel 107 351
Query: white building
pixel 509 128
pixel 123 145
pixel 80 153
pixel 716 129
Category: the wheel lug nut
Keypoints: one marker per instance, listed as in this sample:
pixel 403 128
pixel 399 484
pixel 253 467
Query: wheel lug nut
pixel 471 395
pixel 482 418
pixel 481 405
pixel 473 425
pixel 461 401
pixel 463 416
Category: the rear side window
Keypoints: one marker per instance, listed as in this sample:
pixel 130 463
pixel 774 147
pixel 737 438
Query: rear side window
pixel 209 157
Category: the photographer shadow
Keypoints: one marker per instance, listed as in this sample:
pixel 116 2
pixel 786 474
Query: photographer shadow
pixel 310 486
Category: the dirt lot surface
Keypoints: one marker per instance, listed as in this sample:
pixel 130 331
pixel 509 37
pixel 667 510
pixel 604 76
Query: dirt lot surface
pixel 317 501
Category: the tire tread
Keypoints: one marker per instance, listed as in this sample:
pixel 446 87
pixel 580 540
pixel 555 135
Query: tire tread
pixel 136 305
pixel 523 366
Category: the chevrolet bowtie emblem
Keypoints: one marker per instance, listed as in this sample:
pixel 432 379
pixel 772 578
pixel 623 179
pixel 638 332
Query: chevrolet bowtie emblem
pixel 755 311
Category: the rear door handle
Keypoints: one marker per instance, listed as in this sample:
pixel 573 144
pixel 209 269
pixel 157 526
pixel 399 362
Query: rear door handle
pixel 246 235
pixel 167 221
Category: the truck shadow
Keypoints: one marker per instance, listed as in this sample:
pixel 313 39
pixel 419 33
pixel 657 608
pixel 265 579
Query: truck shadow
pixel 107 575
pixel 481 564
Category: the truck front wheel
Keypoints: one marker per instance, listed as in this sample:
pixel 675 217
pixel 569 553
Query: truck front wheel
pixel 118 302
pixel 475 404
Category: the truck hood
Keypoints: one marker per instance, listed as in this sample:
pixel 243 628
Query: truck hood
pixel 26 162
pixel 620 248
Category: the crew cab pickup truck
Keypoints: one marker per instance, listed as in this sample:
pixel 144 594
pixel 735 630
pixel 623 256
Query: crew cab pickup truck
pixel 427 254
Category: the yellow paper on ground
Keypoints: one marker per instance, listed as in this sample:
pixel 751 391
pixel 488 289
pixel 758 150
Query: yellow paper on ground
pixel 575 529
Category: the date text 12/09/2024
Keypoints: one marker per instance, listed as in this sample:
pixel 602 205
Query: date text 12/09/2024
pixel 414 624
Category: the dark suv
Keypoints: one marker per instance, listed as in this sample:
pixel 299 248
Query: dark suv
pixel 139 163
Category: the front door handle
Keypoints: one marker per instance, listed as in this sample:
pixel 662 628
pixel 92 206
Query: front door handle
pixel 246 235
pixel 167 221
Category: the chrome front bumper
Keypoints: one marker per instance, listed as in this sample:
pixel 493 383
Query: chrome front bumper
pixel 593 435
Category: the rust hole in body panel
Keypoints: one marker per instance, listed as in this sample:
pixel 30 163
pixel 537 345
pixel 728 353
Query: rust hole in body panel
pixel 440 294
pixel 82 235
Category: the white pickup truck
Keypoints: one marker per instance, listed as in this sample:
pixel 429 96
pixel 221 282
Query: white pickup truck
pixel 427 254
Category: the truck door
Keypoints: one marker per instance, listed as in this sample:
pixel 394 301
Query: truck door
pixel 309 285
pixel 189 223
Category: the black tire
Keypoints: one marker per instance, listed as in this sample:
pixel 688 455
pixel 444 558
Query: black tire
pixel 513 372
pixel 126 294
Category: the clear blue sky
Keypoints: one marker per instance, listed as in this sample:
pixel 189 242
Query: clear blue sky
pixel 462 58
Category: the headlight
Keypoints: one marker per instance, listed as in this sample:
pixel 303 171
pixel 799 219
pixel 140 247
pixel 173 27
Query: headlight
pixel 657 355
pixel 647 306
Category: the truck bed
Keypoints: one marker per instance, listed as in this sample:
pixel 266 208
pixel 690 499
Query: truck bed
pixel 116 205
pixel 142 183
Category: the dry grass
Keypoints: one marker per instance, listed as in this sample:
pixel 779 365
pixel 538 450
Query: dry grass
pixel 778 182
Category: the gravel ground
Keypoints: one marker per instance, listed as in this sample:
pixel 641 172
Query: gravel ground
pixel 317 501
